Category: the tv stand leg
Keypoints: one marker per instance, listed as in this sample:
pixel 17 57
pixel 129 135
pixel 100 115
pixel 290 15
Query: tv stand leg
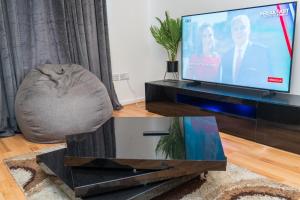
pixel 192 84
pixel 268 94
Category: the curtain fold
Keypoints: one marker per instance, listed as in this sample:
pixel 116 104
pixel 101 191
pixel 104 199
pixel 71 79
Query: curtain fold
pixel 88 29
pixel 34 32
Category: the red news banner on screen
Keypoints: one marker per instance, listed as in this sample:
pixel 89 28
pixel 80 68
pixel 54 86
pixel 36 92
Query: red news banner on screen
pixel 275 80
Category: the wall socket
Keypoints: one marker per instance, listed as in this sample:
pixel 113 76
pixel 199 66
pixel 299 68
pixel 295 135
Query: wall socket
pixel 120 77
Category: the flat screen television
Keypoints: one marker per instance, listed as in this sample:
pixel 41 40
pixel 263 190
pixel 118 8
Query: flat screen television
pixel 248 47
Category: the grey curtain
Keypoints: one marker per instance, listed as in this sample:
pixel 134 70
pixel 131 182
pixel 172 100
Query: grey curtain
pixel 34 32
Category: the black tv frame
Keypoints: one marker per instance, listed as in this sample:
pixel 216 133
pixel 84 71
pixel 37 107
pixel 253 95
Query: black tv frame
pixel 240 86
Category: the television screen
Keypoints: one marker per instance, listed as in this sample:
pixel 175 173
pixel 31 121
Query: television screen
pixel 250 47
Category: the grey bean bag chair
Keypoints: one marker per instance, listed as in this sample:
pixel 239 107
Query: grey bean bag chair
pixel 58 100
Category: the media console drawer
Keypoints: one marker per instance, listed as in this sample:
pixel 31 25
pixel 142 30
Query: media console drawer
pixel 277 135
pixel 282 114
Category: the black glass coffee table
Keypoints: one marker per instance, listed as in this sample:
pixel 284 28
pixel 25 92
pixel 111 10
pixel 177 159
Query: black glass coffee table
pixel 136 158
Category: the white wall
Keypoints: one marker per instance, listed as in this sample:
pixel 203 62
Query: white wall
pixel 134 50
pixel 128 32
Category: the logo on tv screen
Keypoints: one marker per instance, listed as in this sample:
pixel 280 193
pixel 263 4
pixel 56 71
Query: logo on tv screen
pixel 275 13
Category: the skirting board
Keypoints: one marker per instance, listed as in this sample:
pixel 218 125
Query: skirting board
pixel 131 101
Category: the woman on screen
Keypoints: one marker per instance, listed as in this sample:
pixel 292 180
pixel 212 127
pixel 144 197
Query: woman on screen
pixel 205 65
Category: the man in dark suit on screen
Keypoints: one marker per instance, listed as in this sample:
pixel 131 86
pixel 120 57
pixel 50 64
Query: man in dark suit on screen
pixel 247 63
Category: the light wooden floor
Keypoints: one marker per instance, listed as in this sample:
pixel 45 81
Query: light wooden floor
pixel 278 165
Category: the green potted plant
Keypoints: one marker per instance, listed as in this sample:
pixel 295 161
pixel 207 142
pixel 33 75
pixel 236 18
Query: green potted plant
pixel 168 34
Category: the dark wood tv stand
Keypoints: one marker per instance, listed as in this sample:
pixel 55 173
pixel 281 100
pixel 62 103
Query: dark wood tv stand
pixel 273 120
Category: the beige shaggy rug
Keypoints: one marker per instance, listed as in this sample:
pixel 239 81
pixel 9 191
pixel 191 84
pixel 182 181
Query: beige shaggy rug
pixel 234 184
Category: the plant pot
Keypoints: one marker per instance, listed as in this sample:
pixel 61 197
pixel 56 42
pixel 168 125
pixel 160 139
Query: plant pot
pixel 172 66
